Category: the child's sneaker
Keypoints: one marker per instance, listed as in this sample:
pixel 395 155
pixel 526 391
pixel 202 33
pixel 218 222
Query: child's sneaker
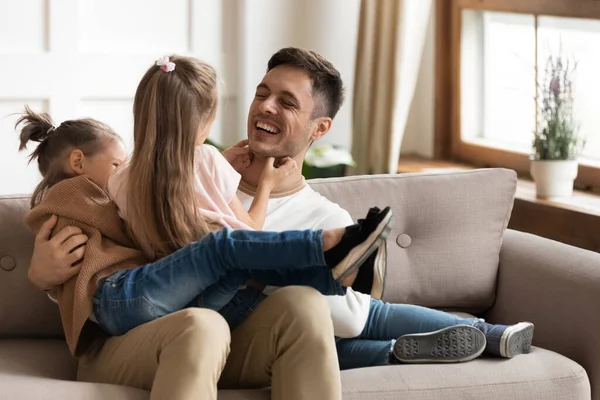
pixel 371 275
pixel 457 343
pixel 358 243
pixel 507 340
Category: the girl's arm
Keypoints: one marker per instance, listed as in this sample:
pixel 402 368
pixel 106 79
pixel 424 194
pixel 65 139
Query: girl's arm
pixel 255 216
pixel 270 178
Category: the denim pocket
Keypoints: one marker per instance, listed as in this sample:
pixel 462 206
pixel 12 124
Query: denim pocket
pixel 118 317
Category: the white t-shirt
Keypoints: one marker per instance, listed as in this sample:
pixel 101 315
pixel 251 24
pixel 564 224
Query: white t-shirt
pixel 306 209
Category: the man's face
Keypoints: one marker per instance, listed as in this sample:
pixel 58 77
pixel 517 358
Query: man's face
pixel 279 120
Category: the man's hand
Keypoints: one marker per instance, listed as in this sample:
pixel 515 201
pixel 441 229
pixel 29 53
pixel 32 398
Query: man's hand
pixel 238 155
pixel 52 261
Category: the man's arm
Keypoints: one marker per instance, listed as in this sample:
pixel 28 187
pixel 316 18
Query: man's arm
pixel 52 260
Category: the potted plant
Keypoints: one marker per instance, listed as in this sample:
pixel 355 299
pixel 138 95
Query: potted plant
pixel 326 161
pixel 556 143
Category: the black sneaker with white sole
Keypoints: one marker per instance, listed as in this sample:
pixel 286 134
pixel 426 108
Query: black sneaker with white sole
pixel 453 344
pixel 371 275
pixel 358 243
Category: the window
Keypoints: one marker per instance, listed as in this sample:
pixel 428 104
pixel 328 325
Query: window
pixel 581 38
pixel 498 51
pixel 498 79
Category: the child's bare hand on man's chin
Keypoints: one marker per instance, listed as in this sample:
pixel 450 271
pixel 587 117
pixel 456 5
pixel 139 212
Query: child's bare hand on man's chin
pixel 276 172
pixel 238 155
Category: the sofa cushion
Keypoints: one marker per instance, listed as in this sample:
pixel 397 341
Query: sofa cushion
pixel 540 375
pixel 44 369
pixel 34 388
pixel 444 247
pixel 36 369
pixel 37 357
pixel 24 310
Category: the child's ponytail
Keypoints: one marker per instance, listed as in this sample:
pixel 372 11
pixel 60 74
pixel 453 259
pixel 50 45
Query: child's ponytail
pixel 35 128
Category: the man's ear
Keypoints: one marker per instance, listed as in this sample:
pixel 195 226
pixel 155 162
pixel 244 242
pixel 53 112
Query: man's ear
pixel 323 125
pixel 76 160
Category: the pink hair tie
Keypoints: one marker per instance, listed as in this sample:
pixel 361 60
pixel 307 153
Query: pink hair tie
pixel 165 64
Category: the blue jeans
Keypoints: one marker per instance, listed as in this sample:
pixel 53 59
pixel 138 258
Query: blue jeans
pixel 223 291
pixel 243 303
pixel 386 323
pixel 130 298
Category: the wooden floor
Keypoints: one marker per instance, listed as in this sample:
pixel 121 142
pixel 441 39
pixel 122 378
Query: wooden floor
pixel 574 220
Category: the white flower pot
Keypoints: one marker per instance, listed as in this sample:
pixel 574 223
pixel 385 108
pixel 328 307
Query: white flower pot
pixel 554 178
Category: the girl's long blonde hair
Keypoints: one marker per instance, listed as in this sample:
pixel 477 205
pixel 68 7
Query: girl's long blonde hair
pixel 169 110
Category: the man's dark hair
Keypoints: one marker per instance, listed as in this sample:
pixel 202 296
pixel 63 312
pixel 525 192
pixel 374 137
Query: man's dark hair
pixel 327 83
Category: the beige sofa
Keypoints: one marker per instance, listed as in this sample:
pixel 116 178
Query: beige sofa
pixel 448 249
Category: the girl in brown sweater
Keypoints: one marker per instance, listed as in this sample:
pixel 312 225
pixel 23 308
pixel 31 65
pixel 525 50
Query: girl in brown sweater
pixel 76 159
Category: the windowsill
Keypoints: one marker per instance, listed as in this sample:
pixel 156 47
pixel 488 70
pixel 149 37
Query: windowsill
pixel 521 150
pixel 573 220
pixel 496 144
pixel 583 202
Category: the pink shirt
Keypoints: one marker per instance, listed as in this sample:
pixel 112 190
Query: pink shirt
pixel 215 183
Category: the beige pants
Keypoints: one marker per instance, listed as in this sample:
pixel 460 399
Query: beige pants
pixel 287 343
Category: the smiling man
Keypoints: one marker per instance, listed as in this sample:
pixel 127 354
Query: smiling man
pixel 293 106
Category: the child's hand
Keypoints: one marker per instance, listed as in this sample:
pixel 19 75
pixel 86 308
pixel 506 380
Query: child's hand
pixel 238 155
pixel 274 175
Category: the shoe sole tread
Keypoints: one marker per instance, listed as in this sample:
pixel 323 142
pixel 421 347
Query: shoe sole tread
pixel 453 344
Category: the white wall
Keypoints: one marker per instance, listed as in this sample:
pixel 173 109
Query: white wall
pixel 84 58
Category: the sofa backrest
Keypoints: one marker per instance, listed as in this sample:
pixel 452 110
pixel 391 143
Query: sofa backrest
pixel 442 252
pixel 24 310
pixel 444 247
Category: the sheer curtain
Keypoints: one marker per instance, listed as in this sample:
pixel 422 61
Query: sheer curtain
pixel 391 40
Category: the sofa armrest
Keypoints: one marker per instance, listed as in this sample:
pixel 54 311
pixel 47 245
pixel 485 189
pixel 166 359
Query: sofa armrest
pixel 557 287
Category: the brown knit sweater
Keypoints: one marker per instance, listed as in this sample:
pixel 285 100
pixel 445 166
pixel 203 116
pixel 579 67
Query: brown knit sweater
pixel 80 202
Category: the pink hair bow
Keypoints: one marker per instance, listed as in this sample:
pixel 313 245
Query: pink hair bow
pixel 165 64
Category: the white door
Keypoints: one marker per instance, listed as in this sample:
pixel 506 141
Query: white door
pixel 84 58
